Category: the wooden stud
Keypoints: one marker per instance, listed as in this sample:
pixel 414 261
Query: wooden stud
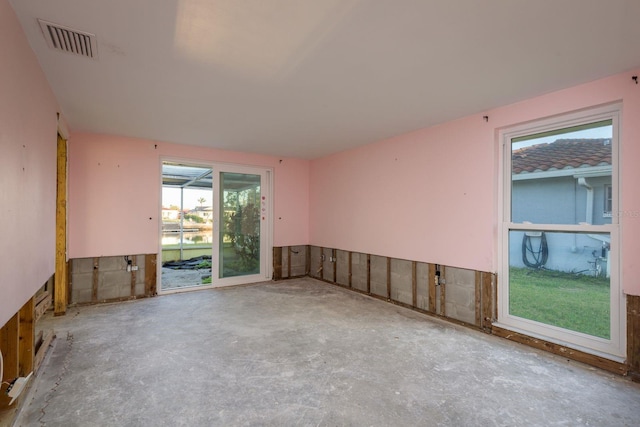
pixel 9 347
pixel 334 253
pixel 350 270
pixel 488 301
pixel 443 292
pixel 633 336
pixel 277 263
pixel 60 294
pixel 150 274
pixel 368 274
pixel 134 275
pixel 432 288
pixel 26 338
pixel 288 261
pixel 95 279
pixel 478 298
pixel 388 278
pixel 414 283
pixel 69 281
pixel 307 261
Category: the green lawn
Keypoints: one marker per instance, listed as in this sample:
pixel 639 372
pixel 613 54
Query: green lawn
pixel 571 301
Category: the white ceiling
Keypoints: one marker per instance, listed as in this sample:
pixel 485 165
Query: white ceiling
pixel 305 78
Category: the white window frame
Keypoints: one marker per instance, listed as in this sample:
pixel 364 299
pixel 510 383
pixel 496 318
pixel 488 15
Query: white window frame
pixel 615 347
pixel 608 197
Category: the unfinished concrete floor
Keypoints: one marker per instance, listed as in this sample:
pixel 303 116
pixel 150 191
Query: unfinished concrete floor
pixel 303 352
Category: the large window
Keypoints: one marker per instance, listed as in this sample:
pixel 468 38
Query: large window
pixel 559 253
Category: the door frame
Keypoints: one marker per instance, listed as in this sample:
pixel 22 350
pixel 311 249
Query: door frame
pixel 266 257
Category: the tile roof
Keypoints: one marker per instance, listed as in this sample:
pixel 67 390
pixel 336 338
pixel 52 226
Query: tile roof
pixel 562 154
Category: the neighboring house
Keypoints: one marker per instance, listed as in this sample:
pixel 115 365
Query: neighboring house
pixel 567 181
pixel 170 214
pixel 204 212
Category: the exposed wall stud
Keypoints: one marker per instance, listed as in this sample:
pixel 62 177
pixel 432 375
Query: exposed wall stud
pixel 26 338
pixel 432 288
pixel 478 298
pixel 414 283
pixel 60 286
pixel 633 336
pixel 150 274
pixel 134 275
pixel 277 263
pixel 388 278
pixel 350 270
pixel 368 273
pixel 95 280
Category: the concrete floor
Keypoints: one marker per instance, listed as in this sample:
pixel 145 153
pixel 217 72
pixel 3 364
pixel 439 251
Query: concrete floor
pixel 303 352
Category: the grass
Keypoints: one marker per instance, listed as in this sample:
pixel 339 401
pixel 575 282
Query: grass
pixel 572 301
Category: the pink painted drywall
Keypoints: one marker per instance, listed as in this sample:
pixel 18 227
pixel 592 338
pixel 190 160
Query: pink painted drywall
pixel 114 193
pixel 28 128
pixel 432 195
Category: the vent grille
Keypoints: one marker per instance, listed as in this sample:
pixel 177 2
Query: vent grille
pixel 69 40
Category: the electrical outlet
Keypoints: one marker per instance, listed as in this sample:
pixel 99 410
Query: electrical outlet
pixel 134 268
pixel 17 387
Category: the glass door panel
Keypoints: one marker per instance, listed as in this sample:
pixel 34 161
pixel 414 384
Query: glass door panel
pixel 242 211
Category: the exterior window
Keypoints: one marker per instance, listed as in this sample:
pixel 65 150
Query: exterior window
pixel 559 258
pixel 608 201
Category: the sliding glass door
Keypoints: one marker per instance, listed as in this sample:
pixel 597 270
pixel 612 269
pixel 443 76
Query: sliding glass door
pixel 240 231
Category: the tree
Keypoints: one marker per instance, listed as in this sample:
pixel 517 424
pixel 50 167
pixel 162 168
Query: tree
pixel 201 200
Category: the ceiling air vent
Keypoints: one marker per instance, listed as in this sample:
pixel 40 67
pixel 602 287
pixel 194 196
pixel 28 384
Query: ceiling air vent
pixel 69 40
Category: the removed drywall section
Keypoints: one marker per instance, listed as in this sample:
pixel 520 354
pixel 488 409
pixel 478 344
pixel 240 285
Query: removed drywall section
pixel 460 298
pixel 359 272
pixel 315 262
pixel 290 261
pixel 378 279
pixel 343 271
pixel 402 281
pixel 422 286
pixel 463 296
pixel 111 278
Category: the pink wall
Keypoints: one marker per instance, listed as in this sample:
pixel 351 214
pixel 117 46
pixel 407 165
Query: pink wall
pixel 28 129
pixel 114 193
pixel 432 195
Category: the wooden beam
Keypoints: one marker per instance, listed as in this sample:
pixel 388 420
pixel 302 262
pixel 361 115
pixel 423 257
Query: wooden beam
pixel 60 286
pixel 633 336
pixel 95 279
pixel 368 273
pixel 41 352
pixel 9 347
pixel 134 275
pixel 350 270
pixel 478 297
pixel 432 288
pixel 334 254
pixel 443 292
pixel 488 301
pixel 388 278
pixel 414 283
pixel 569 353
pixel 150 274
pixel 277 263
pixel 26 338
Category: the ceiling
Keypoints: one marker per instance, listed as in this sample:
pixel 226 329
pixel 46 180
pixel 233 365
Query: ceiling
pixel 306 78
